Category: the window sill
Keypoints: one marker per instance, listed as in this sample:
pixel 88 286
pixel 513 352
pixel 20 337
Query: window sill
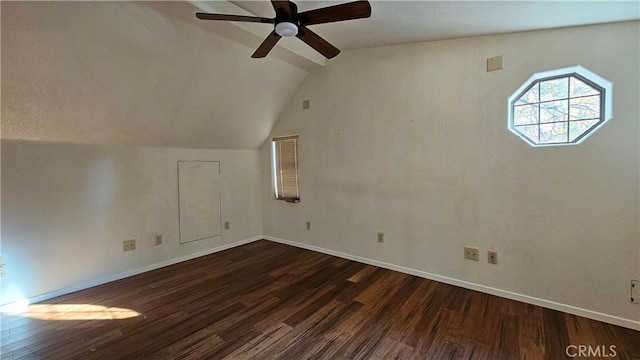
pixel 289 200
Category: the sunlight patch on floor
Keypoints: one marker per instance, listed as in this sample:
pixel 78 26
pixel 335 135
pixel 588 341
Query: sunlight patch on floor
pixel 55 312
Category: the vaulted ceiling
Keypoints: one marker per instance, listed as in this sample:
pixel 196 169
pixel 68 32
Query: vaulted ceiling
pixel 134 73
pixel 402 22
pixel 150 73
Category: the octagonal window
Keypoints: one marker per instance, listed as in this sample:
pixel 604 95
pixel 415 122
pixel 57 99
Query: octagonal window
pixel 560 107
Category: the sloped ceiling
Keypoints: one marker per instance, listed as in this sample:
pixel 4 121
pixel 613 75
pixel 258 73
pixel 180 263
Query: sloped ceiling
pixel 127 73
pixel 150 73
pixel 403 22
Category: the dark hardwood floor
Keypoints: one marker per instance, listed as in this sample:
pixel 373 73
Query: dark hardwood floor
pixel 271 301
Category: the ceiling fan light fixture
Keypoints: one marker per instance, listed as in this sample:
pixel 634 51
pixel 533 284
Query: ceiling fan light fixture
pixel 289 22
pixel 286 28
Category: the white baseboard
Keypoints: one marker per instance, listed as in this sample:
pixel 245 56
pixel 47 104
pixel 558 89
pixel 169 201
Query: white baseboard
pixel 631 324
pixel 627 323
pixel 122 275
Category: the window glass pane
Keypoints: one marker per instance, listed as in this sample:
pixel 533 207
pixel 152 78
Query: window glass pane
pixel 580 88
pixel 559 106
pixel 529 97
pixel 525 114
pixel 577 128
pixel 554 111
pixel 554 89
pixel 529 131
pixel 553 133
pixel 585 108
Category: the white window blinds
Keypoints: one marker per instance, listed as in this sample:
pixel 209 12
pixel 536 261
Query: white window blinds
pixel 285 168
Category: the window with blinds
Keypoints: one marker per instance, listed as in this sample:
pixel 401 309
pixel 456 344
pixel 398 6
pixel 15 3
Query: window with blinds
pixel 284 151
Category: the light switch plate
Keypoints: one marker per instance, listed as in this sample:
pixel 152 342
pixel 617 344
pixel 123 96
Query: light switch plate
pixel 635 291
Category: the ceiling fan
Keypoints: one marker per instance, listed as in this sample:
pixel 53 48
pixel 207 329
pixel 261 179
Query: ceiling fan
pixel 288 22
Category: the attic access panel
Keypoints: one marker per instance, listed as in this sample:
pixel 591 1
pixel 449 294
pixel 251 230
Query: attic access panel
pixel 199 200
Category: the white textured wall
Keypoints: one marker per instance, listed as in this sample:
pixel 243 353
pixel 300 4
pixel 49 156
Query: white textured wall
pixel 412 141
pixel 135 73
pixel 67 208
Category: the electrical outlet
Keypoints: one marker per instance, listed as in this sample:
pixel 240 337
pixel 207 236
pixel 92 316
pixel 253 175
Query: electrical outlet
pixel 308 225
pixel 129 245
pixel 158 239
pixel 635 291
pixel 380 237
pixel 306 104
pixel 226 225
pixel 492 257
pixel 471 253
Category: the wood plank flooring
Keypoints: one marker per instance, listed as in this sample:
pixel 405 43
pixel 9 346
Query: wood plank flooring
pixel 266 300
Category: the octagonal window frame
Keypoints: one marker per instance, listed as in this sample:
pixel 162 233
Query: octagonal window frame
pixel 581 73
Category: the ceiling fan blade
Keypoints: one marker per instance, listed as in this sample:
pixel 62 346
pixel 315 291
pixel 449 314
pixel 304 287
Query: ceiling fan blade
pixel 266 45
pixel 282 8
pixel 348 11
pixel 205 16
pixel 315 41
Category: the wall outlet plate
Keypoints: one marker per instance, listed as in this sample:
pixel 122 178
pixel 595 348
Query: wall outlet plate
pixel 129 245
pixel 158 240
pixel 492 257
pixel 471 253
pixel 308 225
pixel 227 226
pixel 635 291
pixel 380 237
